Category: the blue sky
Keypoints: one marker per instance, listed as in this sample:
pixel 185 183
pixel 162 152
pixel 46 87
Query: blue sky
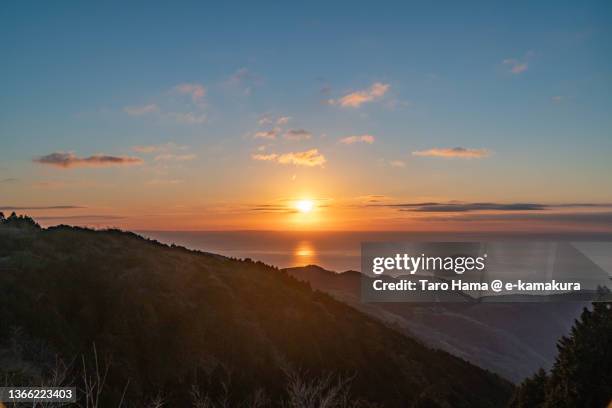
pixel 529 84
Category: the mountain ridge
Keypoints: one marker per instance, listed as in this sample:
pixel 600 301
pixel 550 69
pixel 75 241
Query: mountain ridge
pixel 511 339
pixel 170 318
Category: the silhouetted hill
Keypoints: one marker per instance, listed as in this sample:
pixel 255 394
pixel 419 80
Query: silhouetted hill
pixel 166 320
pixel 512 339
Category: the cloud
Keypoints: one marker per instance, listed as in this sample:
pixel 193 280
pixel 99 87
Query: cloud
pixel 297 134
pixel 265 120
pixel 188 118
pixel 308 158
pixel 197 91
pixel 141 110
pixel 463 207
pixel 369 139
pixel 557 98
pixel 265 157
pixel 9 180
pixel 82 218
pixel 516 67
pixel 283 120
pixel 397 163
pixel 269 119
pixel 68 160
pixel 273 208
pixel 175 157
pixel 357 98
pixel 467 207
pixel 455 152
pixel 267 134
pixel 51 207
pixel 598 219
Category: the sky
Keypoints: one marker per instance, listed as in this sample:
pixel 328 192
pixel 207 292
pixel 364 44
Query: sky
pixel 379 116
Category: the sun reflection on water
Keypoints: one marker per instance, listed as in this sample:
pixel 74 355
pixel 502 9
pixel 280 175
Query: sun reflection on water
pixel 304 253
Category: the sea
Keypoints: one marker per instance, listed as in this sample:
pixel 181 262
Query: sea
pixel 337 251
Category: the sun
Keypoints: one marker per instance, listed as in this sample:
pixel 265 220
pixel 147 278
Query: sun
pixel 304 206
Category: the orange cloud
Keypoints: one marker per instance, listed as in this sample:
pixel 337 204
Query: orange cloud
pixel 369 139
pixel 455 152
pixel 68 160
pixel 357 98
pixel 265 157
pixel 308 158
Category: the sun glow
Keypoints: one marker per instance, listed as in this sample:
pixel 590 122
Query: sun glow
pixel 304 206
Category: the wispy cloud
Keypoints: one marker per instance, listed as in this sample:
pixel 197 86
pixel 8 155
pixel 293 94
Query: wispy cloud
pixel 358 98
pixel 283 120
pixel 69 160
pixel 467 207
pixel 268 119
pixel 266 134
pixel 265 157
pixel 195 90
pixel 516 66
pixel 462 207
pixel 141 110
pixel 297 134
pixel 598 220
pixel 455 152
pixel 308 158
pixel 397 163
pixel 369 139
pixel 34 207
pixel 82 218
pixel 8 180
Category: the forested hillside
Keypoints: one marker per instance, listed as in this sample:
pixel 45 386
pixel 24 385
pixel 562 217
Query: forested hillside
pixel 173 325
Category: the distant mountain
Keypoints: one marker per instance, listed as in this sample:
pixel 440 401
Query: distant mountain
pixel 166 321
pixel 511 339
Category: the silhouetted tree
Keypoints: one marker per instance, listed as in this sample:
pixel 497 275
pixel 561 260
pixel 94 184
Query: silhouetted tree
pixel 532 392
pixel 19 221
pixel 582 373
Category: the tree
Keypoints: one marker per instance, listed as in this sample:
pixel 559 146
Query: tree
pixel 532 392
pixel 582 373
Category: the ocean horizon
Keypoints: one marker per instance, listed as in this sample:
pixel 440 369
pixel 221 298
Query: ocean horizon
pixel 337 251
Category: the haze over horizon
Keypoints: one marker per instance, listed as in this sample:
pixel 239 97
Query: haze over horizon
pixel 314 117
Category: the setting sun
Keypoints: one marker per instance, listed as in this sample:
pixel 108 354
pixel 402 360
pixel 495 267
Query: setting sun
pixel 304 206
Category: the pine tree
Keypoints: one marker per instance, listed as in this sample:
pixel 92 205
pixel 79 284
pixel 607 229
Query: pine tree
pixel 532 392
pixel 582 373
